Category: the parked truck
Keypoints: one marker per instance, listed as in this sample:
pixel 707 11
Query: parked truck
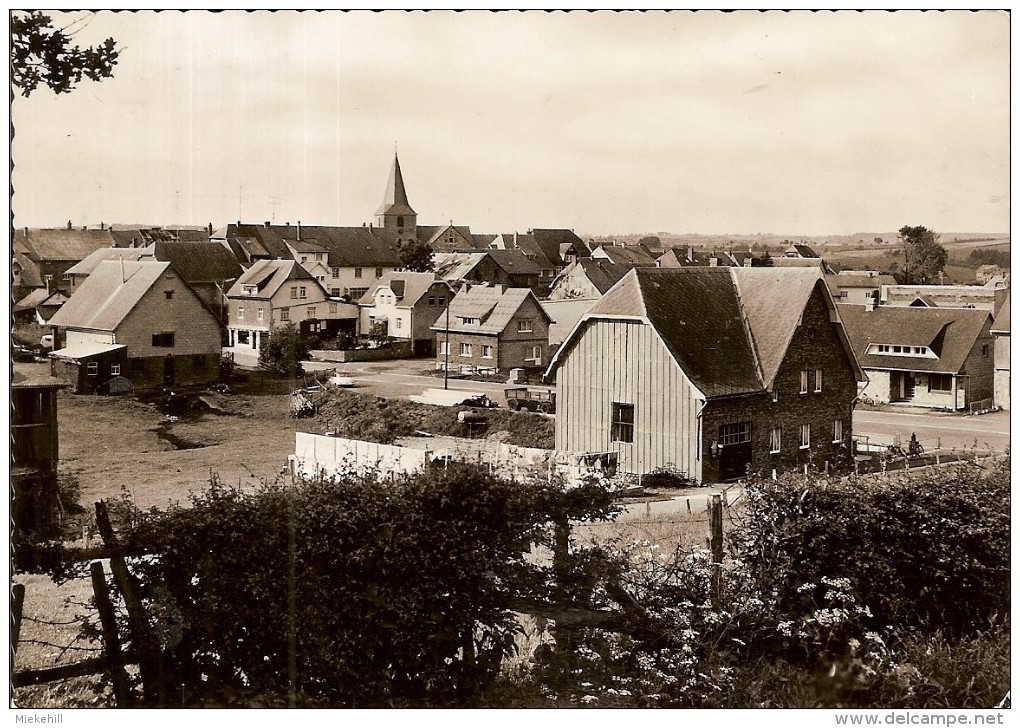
pixel 537 399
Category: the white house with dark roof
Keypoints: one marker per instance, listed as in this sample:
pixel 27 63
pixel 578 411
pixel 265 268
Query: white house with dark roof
pixel 274 293
pixel 710 372
pixel 409 304
pixel 139 320
pixel 923 357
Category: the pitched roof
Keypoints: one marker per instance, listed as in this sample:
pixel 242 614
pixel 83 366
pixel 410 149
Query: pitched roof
pixel 949 333
pixel 858 280
pixel 531 248
pixel 550 240
pixel 602 274
pixel 801 250
pixel 345 246
pixel 514 262
pixel 198 261
pixel 1001 324
pixel 29 272
pixel 628 255
pixel 33 299
pixel 728 328
pixel 268 276
pixel 109 294
pixel 85 266
pixel 494 306
pixel 455 266
pixel 60 243
pixel 395 201
pixel 565 314
pixel 407 286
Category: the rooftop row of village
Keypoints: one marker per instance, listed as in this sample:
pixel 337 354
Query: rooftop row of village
pixel 137 308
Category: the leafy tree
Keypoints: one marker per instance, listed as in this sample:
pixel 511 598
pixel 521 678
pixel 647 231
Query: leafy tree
pixel 43 54
pixel 923 257
pixel 651 241
pixel 417 257
pixel 284 351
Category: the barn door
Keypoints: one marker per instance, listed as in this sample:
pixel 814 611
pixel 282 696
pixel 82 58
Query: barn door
pixel 735 450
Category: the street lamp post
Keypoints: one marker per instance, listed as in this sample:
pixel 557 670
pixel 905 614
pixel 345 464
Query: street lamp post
pixel 446 362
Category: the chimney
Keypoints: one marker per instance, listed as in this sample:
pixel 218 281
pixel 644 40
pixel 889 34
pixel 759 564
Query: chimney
pixel 869 303
pixel 238 223
pixel 68 224
pixel 102 226
pixel 85 227
pixel 690 252
pixel 298 230
pixel 266 223
pixel 208 228
pixel 122 278
pixel 26 232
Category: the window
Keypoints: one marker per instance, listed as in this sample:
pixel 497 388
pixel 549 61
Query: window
pixel 168 294
pixel 400 221
pixel 984 350
pixel 293 292
pixel 261 314
pixel 311 312
pixel 486 351
pixel 93 368
pixel 803 381
pixel 536 353
pixel 775 440
pixel 332 308
pixel 442 300
pixel 67 276
pixel 378 272
pixel 623 422
pixel 818 380
pixel 432 300
pixel 444 347
pixel 48 278
pixel 465 349
pixel 334 272
pixel 940 382
pixel 304 258
pixel 335 292
pixel 242 337
pixel 285 314
pixel 302 293
pixel 240 313
pixel 837 430
pixel 115 370
pixel 398 324
pixel 883 348
pixel 775 395
pixel 164 338
pixel 735 433
pixel 356 293
pixel 897 350
pixel 468 321
pixel 919 349
pixel 524 326
pixel 805 436
pixel 357 272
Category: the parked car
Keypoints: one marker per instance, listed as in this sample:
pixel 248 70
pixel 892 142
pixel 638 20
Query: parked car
pixel 536 399
pixel 339 380
pixel 47 341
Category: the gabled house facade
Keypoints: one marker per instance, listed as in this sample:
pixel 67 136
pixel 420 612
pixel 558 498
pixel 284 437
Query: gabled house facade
pixel 44 255
pixel 709 371
pixel 923 357
pixel 138 321
pixel 857 288
pixel 492 328
pixel 587 278
pixel 274 293
pixel 409 303
pixel 632 255
pixel 509 268
pixel 987 297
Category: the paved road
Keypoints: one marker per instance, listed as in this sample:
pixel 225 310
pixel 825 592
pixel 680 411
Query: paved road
pixel 403 377
pixel 959 431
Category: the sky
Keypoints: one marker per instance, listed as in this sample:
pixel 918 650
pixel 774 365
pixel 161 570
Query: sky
pixel 606 123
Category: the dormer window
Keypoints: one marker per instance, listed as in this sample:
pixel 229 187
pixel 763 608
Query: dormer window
pixel 469 321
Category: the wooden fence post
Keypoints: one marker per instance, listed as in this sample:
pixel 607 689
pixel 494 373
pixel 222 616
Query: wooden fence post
pixel 111 642
pixel 716 525
pixel 143 641
pixel 18 594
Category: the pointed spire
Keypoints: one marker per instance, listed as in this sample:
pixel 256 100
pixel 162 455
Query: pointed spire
pixel 395 202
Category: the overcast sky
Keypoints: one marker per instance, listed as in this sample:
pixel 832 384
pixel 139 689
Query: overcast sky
pixel 794 123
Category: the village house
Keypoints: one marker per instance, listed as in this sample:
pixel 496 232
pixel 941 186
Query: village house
pixel 43 255
pixel 408 304
pixel 39 305
pixel 492 329
pixel 1000 330
pixel 799 250
pixel 274 293
pixel 509 268
pixel 857 287
pixel 990 272
pixel 685 256
pixel 987 297
pixel 137 322
pixel 587 278
pixel 923 357
pixel 631 255
pixel 710 372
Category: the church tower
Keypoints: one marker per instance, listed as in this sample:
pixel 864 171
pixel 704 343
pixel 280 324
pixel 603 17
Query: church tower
pixel 395 213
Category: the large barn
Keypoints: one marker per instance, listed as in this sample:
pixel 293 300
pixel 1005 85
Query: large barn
pixel 709 371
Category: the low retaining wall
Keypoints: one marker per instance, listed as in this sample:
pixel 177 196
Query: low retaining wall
pixel 397 350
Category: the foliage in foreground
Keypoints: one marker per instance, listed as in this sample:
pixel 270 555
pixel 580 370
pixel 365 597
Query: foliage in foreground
pixel 870 593
pixel 284 350
pixel 396 592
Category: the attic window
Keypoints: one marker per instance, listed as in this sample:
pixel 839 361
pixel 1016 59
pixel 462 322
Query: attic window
pixel 469 320
pixel 524 326
pixel 168 294
pixel 163 339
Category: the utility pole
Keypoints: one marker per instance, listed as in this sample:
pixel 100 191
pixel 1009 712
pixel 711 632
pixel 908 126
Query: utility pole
pixel 446 363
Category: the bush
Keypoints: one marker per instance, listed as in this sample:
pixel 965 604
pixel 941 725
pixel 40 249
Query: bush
pixel 284 350
pixel 927 548
pixel 397 592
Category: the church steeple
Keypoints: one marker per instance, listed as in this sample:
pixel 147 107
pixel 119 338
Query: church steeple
pixel 396 213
